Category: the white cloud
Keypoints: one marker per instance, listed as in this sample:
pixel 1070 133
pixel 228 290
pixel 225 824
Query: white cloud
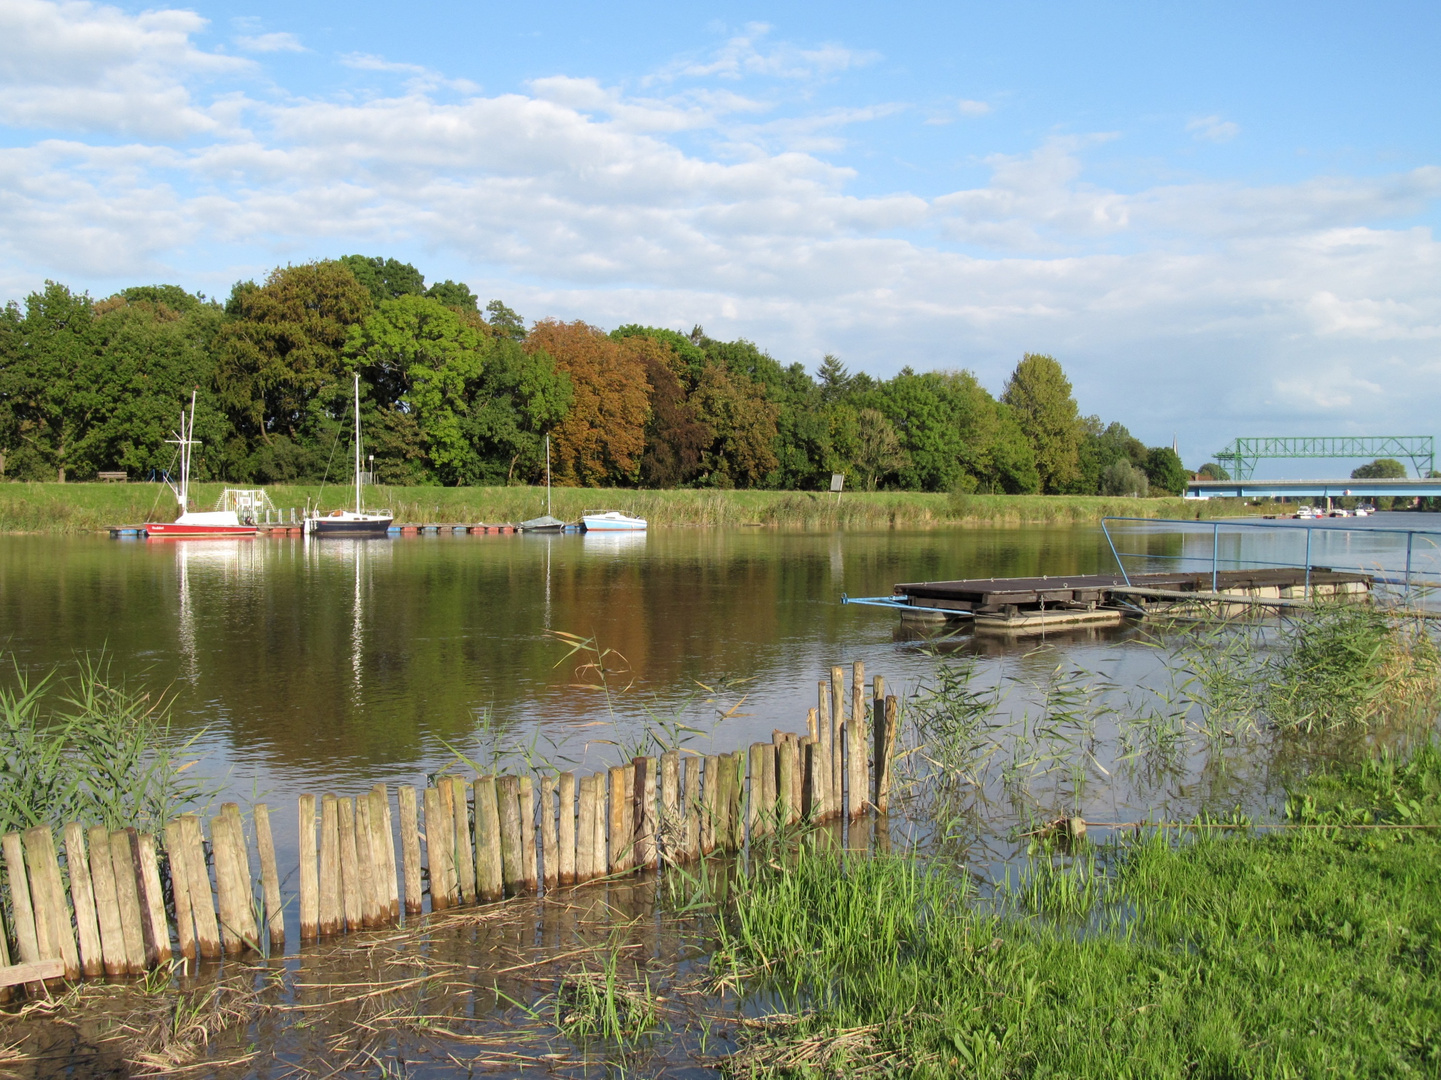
pixel 269 43
pixel 1213 129
pixel 582 200
pixel 748 54
pixel 972 108
pixel 79 66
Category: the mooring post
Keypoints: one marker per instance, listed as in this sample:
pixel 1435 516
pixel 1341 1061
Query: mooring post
pixel 1215 550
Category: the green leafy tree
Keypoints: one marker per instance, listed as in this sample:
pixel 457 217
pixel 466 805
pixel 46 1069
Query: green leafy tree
pixel 744 423
pixel 878 450
pixel 1380 469
pixel 504 322
pixel 279 369
pixel 1040 393
pixel 520 398
pixel 454 294
pixel 1212 471
pixel 1164 470
pixel 1122 478
pixel 386 279
pixel 422 363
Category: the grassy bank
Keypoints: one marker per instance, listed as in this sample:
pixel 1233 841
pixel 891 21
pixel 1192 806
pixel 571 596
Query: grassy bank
pixel 1303 952
pixel 76 508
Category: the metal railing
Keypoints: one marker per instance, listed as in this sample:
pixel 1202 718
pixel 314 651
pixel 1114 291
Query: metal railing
pixel 1415 574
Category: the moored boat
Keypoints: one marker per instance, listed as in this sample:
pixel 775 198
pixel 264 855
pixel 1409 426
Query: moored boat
pixel 611 521
pixel 194 525
pixel 358 523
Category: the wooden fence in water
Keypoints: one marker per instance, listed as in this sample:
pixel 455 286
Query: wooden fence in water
pixel 465 842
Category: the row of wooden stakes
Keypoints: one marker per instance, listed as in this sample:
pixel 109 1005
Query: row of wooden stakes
pixel 482 840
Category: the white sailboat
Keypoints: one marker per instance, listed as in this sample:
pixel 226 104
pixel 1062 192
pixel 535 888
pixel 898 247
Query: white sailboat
pixel 193 524
pixel 547 523
pixel 351 523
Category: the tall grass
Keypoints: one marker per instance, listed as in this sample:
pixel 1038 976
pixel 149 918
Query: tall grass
pixel 76 508
pixel 90 748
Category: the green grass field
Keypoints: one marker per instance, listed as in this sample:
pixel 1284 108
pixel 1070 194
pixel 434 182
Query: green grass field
pixel 1303 953
pixel 76 508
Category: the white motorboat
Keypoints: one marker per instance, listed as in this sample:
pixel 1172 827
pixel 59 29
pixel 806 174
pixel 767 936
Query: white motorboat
pixel 611 521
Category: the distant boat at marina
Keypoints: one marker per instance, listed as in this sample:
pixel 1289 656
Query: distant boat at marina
pixel 358 523
pixel 545 523
pixel 193 525
pixel 611 521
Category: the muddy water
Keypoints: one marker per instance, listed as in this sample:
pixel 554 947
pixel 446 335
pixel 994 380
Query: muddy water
pixel 331 666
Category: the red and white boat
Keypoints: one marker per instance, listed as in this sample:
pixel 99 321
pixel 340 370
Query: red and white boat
pixel 193 525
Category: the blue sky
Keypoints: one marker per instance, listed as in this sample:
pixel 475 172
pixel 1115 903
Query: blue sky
pixel 1220 219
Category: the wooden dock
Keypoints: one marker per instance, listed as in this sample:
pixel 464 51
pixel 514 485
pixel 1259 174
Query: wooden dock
pixel 1040 603
pixel 127 901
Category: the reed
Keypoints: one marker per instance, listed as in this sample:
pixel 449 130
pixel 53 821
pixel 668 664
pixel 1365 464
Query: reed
pixel 90 747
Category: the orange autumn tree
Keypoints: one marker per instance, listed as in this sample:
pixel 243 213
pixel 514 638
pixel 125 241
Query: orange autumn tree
pixel 602 438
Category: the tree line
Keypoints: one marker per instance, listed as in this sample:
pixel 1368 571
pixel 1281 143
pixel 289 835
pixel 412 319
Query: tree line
pixel 455 394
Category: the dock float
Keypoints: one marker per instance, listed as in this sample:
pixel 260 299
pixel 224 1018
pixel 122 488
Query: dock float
pixel 1034 604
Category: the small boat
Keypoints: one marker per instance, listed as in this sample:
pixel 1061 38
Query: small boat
pixel 611 521
pixel 358 523
pixel 193 525
pixel 545 523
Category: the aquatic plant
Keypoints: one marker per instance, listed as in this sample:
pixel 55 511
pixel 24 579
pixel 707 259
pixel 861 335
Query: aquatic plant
pixel 91 748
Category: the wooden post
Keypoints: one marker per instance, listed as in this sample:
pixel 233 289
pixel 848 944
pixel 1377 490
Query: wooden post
pixel 371 902
pixel 857 744
pixel 309 878
pixel 331 905
pixel 670 819
pixel 270 875
pixel 548 841
pixel 621 841
pixel 107 906
pixel 885 751
pixel 565 863
pixel 410 848
pixel 710 784
pixel 152 899
pixel 770 800
pixel 585 853
pixel 179 889
pixel 755 804
pixel 838 723
pixel 232 879
pixel 438 849
pixel 644 813
pixel 202 897
pixel 810 778
pixel 512 857
pixel 823 749
pixel 464 854
pixel 351 897
pixel 787 788
pixel 529 869
pixel 82 895
pixel 601 862
pixel 811 724
pixel 385 837
pixel 736 795
pixel 132 927
pixel 489 871
pixel 691 808
pixel 47 896
pixel 27 942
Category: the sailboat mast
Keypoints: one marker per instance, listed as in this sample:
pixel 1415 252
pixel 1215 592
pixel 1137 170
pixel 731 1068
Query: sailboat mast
pixel 547 475
pixel 357 442
pixel 187 437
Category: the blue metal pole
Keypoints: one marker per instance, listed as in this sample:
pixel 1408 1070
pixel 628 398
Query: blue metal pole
pixel 1410 536
pixel 1307 591
pixel 1114 554
pixel 1215 550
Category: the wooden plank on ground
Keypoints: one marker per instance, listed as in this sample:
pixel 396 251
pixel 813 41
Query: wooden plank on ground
pixel 34 971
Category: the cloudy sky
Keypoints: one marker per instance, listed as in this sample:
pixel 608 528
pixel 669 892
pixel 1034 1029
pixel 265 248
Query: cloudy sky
pixel 1220 218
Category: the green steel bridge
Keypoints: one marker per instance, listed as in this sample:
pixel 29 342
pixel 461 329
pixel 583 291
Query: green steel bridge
pixel 1240 457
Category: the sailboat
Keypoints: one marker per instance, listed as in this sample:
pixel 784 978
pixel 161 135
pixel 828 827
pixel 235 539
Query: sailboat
pixel 206 524
pixel 357 523
pixel 546 524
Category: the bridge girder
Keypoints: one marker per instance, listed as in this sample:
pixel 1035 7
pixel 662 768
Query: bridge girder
pixel 1244 453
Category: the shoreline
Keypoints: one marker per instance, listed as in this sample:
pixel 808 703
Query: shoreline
pixel 80 508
